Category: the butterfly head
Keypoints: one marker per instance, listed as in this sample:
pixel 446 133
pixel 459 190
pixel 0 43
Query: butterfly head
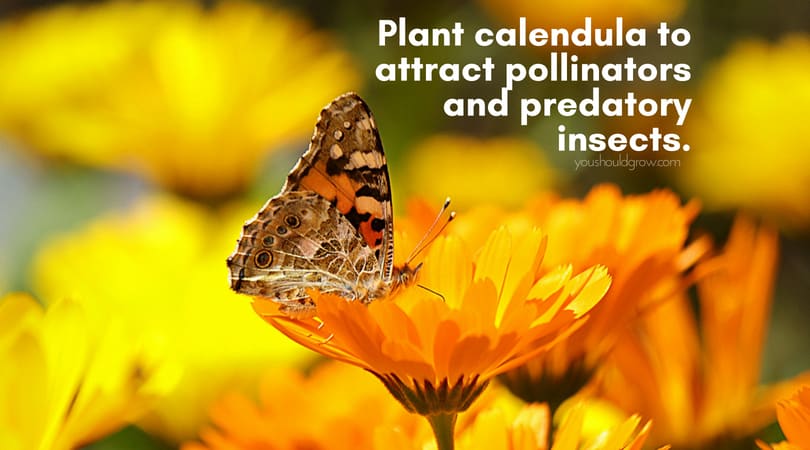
pixel 405 275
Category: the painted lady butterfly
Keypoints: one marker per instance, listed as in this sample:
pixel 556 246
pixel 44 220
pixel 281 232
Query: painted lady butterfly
pixel 331 226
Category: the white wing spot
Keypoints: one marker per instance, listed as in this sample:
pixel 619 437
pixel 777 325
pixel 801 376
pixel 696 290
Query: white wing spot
pixel 335 151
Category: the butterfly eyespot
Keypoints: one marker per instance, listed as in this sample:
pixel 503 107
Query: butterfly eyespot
pixel 338 135
pixel 292 221
pixel 263 259
pixel 281 229
pixel 347 125
pixel 268 241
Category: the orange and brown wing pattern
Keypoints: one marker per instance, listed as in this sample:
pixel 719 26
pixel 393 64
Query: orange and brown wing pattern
pixel 345 165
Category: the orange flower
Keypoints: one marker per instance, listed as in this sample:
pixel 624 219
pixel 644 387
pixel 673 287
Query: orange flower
pixel 701 387
pixel 640 239
pixel 794 419
pixel 436 354
pixel 328 409
pixel 495 313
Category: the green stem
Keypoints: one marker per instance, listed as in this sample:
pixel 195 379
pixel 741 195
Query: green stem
pixel 443 426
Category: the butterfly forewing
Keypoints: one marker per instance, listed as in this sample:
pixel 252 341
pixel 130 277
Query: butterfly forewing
pixel 345 164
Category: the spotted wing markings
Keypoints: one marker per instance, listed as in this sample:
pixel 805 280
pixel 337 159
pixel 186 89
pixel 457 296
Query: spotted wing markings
pixel 288 279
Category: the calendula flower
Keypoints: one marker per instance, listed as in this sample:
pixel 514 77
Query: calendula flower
pixel 337 407
pixel 699 390
pixel 436 351
pixel 159 265
pixel 480 166
pixel 641 239
pixel 572 14
pixel 794 419
pixel 769 84
pixel 67 382
pixel 529 428
pixel 190 97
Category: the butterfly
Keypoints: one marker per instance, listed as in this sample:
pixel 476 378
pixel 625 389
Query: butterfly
pixel 331 226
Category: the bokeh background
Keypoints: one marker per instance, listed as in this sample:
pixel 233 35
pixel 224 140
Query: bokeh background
pixel 135 137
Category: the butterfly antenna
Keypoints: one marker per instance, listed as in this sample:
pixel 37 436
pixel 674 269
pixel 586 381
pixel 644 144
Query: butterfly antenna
pixel 429 235
pixel 436 293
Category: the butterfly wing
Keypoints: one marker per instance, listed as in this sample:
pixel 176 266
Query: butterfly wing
pixel 331 226
pixel 345 165
pixel 298 241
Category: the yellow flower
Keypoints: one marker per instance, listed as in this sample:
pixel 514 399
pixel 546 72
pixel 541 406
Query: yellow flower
pixel 336 407
pixel 160 267
pixel 479 168
pixel 529 428
pixel 639 238
pixel 697 389
pixel 192 98
pixel 752 155
pixel 573 433
pixel 794 419
pixel 571 13
pixel 436 354
pixel 67 382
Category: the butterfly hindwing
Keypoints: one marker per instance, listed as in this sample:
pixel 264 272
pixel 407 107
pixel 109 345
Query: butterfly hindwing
pixel 297 241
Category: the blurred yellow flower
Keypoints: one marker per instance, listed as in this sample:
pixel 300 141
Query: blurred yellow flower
pixel 701 387
pixel 436 354
pixel 337 407
pixel 192 98
pixel 160 266
pixel 479 168
pixel 67 382
pixel 571 13
pixel 794 419
pixel 754 155
pixel 621 433
pixel 640 239
pixel 529 428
